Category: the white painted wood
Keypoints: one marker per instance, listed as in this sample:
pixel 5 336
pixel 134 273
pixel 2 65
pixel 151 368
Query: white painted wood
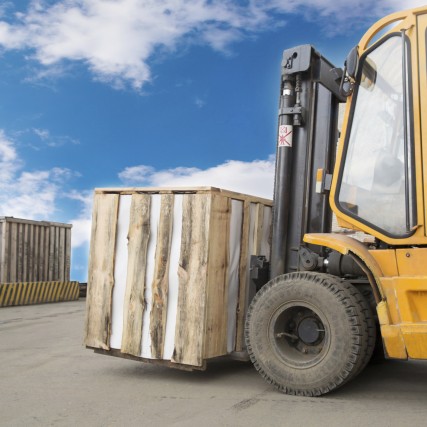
pixel 173 279
pixel 251 291
pixel 236 219
pixel 151 255
pixel 120 272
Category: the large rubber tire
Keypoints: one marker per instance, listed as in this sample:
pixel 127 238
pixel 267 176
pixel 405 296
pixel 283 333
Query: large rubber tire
pixel 309 333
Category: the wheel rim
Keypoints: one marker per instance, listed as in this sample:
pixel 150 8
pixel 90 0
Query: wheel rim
pixel 299 334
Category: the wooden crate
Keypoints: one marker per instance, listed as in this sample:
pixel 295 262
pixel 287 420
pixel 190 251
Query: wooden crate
pixel 34 251
pixel 169 272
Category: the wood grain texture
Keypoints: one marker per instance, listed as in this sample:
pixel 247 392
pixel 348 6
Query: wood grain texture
pixel 51 272
pixel 4 252
pixel 61 255
pixel 192 273
pixel 67 271
pixel 134 305
pixel 243 279
pixel 56 256
pixel 46 253
pixel 101 271
pixel 160 285
pixel 185 190
pixel 13 252
pixel 259 227
pixel 215 338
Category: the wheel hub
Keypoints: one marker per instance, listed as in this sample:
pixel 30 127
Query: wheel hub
pixel 309 330
pixel 300 336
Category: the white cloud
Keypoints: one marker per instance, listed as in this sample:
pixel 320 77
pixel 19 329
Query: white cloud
pixel 254 178
pixel 118 39
pixel 28 194
pixel 82 223
pixel 199 102
pixel 37 194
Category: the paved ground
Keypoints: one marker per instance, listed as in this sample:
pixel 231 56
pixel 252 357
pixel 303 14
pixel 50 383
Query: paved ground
pixel 49 378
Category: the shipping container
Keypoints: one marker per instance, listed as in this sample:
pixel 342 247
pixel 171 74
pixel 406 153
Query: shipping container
pixel 169 272
pixel 34 251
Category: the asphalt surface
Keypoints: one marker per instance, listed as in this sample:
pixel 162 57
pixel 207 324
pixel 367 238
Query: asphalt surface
pixel 49 378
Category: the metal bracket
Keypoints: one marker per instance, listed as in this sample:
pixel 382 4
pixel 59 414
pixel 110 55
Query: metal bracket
pixel 308 259
pixel 290 111
pixel 323 181
pixel 259 271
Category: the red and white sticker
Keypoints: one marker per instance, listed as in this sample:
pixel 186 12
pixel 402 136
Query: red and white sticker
pixel 285 136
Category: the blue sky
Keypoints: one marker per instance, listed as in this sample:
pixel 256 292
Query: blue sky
pixel 99 93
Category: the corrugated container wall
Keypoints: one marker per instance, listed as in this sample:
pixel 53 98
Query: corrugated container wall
pixel 34 251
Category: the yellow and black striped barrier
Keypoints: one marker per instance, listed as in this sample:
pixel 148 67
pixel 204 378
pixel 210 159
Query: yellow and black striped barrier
pixel 37 292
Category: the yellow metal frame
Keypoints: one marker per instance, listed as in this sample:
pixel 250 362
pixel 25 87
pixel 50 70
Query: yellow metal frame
pixel 399 274
pixel 404 21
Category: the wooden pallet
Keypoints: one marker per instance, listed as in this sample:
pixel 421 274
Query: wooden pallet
pixel 169 272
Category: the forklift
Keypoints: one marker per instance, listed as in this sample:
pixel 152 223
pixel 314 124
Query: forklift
pixel 334 297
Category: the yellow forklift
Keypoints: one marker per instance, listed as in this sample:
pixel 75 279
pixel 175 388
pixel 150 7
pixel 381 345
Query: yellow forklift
pixel 334 297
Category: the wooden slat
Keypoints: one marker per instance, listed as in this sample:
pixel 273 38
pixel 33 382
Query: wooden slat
pixel 51 268
pixel 67 254
pixel 192 274
pixel 42 255
pixel 241 307
pixel 20 260
pixel 101 271
pixel 46 253
pixel 134 304
pixel 13 252
pixel 160 285
pixel 25 252
pixel 36 252
pixel 215 338
pixel 165 363
pixel 184 190
pixel 259 225
pixel 30 253
pixel 61 255
pixel 56 258
pixel 11 219
pixel 2 250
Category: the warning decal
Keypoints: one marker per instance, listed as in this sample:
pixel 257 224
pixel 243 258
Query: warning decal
pixel 285 136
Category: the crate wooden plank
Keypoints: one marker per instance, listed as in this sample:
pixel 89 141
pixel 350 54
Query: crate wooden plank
pixel 61 255
pixel 2 249
pixel 67 271
pixel 192 273
pixel 259 227
pixel 134 304
pixel 26 229
pixel 46 252
pixel 36 253
pixel 51 272
pixel 5 253
pixel 217 278
pixel 184 190
pixel 101 271
pixel 244 255
pixel 13 252
pixel 56 257
pixel 30 253
pixel 160 286
pixel 20 260
pixel 235 242
pixel 41 256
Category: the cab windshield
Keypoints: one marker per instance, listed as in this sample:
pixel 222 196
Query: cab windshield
pixel 376 183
